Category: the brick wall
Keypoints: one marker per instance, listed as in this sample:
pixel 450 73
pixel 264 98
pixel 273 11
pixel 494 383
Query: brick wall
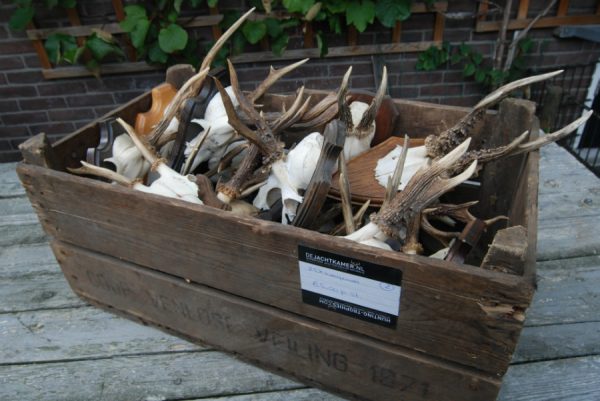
pixel 29 104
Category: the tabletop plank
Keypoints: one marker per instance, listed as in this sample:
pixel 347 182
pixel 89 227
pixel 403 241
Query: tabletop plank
pixel 167 376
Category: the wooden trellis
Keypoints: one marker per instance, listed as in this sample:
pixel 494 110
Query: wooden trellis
pixel 352 49
pixel 523 18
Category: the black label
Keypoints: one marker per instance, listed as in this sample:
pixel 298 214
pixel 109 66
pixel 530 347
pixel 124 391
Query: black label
pixel 382 274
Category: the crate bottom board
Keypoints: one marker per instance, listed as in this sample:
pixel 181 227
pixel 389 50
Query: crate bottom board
pixel 312 352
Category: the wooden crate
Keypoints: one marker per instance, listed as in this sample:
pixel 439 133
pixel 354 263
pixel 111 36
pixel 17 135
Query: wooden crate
pixel 234 283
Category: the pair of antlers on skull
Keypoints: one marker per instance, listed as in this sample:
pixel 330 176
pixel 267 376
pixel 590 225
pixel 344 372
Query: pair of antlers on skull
pixel 449 164
pixel 290 173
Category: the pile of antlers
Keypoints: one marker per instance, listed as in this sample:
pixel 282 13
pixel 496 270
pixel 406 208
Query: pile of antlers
pixel 260 158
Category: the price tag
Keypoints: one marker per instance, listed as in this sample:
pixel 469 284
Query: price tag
pixel 355 288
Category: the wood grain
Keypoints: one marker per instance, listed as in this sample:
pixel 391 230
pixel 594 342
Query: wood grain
pixel 318 354
pixel 265 266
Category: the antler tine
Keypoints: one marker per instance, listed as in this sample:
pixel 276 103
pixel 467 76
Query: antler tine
pixel 295 112
pixel 187 91
pixel 234 119
pixel 148 154
pixel 245 104
pixel 343 108
pixel 370 114
pixel 90 169
pixel 274 76
pixel 440 144
pixel 424 187
pixel 325 103
pixel 554 136
pixel 505 90
pixel 443 236
pixel 212 53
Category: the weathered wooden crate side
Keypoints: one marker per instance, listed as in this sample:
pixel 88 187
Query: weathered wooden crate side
pixel 313 352
pixel 446 310
pixel 451 313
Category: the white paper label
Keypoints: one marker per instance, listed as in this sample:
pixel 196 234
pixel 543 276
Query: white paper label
pixel 383 297
pixel 359 289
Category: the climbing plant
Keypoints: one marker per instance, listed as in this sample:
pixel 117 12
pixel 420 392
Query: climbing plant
pixel 154 29
pixel 474 65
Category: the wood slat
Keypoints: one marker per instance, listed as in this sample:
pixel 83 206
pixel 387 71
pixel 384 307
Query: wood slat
pixel 304 394
pixel 120 14
pixel 38 45
pixel 27 260
pixel 341 51
pixel 154 377
pixel 438 29
pixel 79 333
pixel 36 292
pixel 544 343
pixel 563 379
pixel 115 28
pixel 563 7
pixel 105 69
pixel 21 229
pixel 523 9
pixel 269 337
pixel 75 21
pixel 546 22
pixel 10 186
pixel 397 32
pixel 568 292
pixel 216 29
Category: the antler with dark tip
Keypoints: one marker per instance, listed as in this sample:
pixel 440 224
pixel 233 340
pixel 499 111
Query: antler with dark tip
pixel 193 85
pixel 517 147
pixel 274 76
pixel 369 116
pixel 439 145
pixel 401 217
pixel 264 138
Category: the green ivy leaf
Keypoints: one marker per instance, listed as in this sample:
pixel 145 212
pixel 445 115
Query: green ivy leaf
pixel 360 14
pixel 455 58
pixel 212 3
pixel 72 56
pixel 289 23
pixel 274 28
pixel 321 44
pixel 238 43
pixel 133 14
pixel 298 6
pixel 58 44
pixel 172 16
pixel 279 44
pixel 177 5
pixel 101 48
pixel 156 55
pixel 254 31
pixel 464 49
pixel 335 24
pixel 20 18
pixel 469 69
pixel 172 38
pixel 525 45
pixel 195 3
pixel 139 33
pixel 480 76
pixel 390 11
pixel 477 58
pixel 336 6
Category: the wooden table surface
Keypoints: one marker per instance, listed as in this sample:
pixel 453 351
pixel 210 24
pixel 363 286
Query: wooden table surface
pixel 55 347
